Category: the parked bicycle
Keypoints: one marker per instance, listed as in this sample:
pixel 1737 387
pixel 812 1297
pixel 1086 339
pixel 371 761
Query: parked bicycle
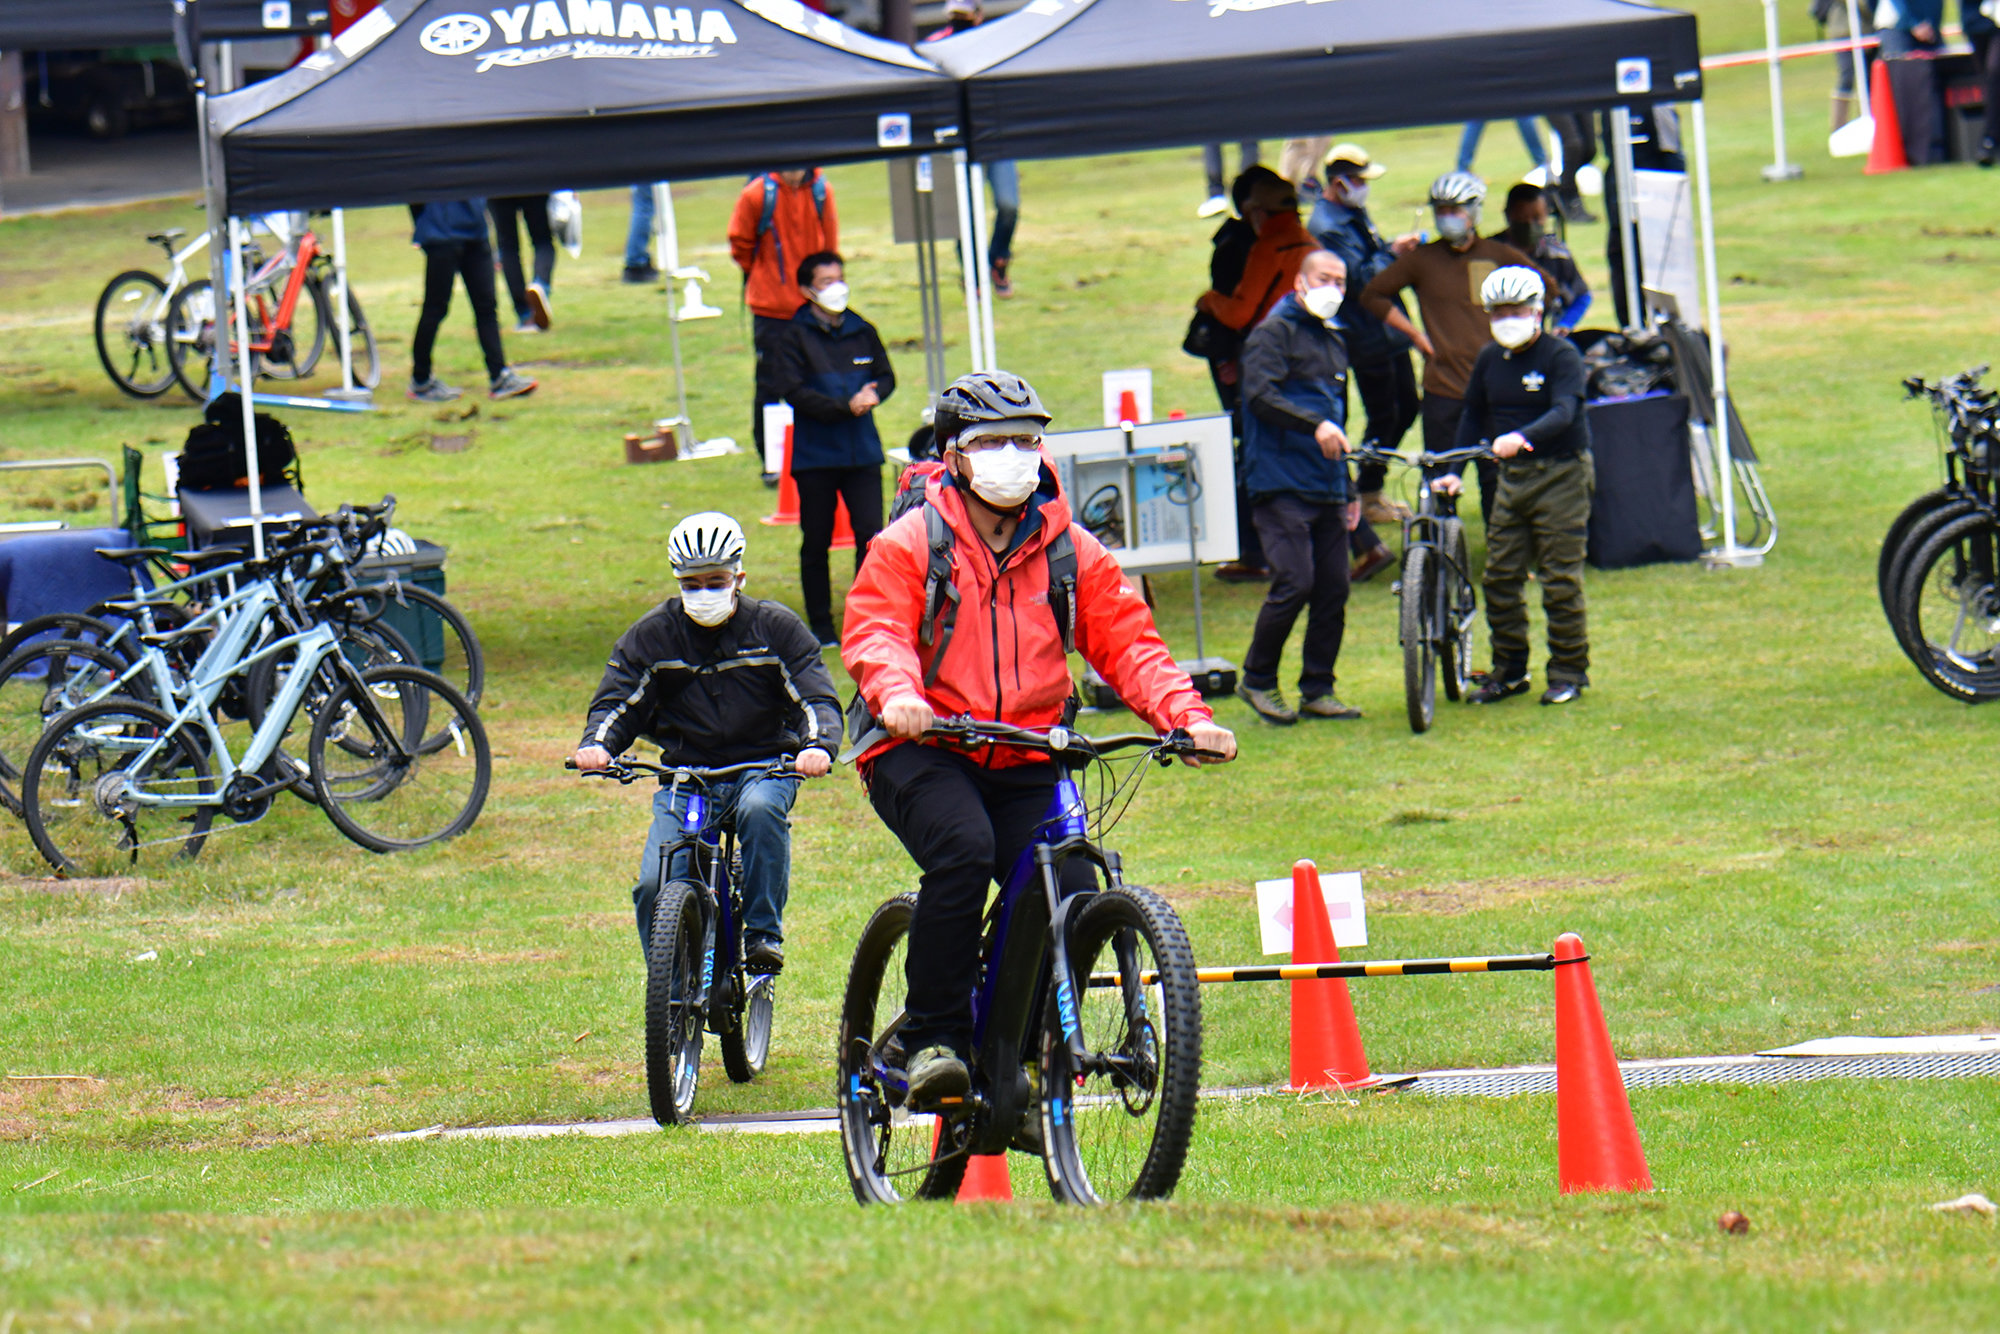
pixel 290 316
pixel 1087 1013
pixel 1438 606
pixel 132 318
pixel 696 978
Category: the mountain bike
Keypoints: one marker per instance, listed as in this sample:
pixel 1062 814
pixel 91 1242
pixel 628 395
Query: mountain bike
pixel 695 973
pixel 132 315
pixel 1086 1010
pixel 1438 608
pixel 289 313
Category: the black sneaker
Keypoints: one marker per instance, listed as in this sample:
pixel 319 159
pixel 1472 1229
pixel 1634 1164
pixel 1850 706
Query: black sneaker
pixel 1562 692
pixel 764 954
pixel 828 636
pixel 1496 687
pixel 936 1073
pixel 641 273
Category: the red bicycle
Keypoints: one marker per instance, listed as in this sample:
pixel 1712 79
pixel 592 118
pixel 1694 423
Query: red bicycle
pixel 291 320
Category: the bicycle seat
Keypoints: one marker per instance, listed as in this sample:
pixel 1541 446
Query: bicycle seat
pixel 134 555
pixel 167 237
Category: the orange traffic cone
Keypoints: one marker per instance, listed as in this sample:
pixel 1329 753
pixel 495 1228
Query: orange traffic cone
pixel 985 1179
pixel 1326 1040
pixel 1886 153
pixel 1597 1145
pixel 788 491
pixel 843 527
pixel 1128 406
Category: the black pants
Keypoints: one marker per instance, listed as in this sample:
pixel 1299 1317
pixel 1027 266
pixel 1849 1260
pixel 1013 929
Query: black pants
pixel 764 335
pixel 1578 133
pixel 443 261
pixel 820 489
pixel 1388 391
pixel 964 825
pixel 1987 53
pixel 534 211
pixel 1441 416
pixel 1306 544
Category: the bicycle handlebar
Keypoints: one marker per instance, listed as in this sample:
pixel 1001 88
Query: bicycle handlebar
pixel 1426 459
pixel 969 731
pixel 631 770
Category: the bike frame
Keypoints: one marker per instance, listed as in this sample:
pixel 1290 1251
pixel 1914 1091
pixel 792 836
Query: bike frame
pixel 301 263
pixel 710 847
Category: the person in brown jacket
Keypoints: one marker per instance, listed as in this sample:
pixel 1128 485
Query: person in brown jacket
pixel 780 218
pixel 1446 274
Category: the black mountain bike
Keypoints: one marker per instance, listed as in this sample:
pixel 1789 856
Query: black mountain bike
pixel 1438 605
pixel 1087 1012
pixel 695 973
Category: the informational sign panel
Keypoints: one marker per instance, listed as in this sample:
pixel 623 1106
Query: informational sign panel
pixel 1138 500
pixel 912 180
pixel 1666 237
pixel 1345 908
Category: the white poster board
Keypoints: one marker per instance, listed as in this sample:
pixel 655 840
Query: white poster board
pixel 1137 504
pixel 1344 908
pixel 777 416
pixel 1138 383
pixel 1666 236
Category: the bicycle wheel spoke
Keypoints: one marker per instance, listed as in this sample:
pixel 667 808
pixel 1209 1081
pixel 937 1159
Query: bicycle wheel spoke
pixel 377 787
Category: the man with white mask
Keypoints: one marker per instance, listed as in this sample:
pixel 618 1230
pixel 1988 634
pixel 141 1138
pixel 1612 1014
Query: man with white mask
pixel 717 678
pixel 1525 395
pixel 830 365
pixel 1295 472
pixel 971 604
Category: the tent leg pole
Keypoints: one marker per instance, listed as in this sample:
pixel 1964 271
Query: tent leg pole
pixel 1628 240
pixel 1728 554
pixel 979 262
pixel 1856 57
pixel 1780 169
pixel 340 299
pixel 968 270
pixel 244 379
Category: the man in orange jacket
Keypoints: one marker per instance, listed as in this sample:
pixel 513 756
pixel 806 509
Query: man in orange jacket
pixel 780 218
pixel 966 816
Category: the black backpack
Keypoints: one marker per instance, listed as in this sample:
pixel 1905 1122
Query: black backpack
pixel 214 458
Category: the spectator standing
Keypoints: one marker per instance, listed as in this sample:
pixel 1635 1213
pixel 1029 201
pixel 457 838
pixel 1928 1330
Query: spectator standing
pixel 1656 146
pixel 1294 447
pixel 1832 16
pixel 639 238
pixel 1531 139
pixel 1526 396
pixel 1909 27
pixel 830 365
pixel 1378 356
pixel 452 234
pixel 1446 274
pixel 1003 177
pixel 1528 232
pixel 780 218
pixel 531 299
pixel 1278 244
pixel 1247 154
pixel 1577 133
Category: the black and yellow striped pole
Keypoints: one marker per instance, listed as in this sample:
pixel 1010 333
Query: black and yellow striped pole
pixel 1296 972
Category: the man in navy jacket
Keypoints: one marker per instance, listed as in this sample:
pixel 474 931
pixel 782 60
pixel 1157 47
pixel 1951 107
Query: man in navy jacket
pixel 1295 471
pixel 832 368
pixel 452 234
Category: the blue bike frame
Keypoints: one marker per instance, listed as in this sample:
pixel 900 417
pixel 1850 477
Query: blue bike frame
pixel 700 836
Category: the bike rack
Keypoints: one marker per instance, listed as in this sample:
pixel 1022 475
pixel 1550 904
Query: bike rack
pixel 46 465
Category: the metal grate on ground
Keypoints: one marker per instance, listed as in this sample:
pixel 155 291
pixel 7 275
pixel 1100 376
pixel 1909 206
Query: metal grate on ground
pixel 1510 1081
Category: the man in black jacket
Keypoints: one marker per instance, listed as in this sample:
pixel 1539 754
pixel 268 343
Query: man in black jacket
pixel 716 678
pixel 830 365
pixel 1526 396
pixel 1294 447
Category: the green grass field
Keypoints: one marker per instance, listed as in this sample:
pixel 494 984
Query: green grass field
pixel 1760 820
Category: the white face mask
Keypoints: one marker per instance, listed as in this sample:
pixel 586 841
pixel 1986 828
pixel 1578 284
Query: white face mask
pixel 709 606
pixel 1323 302
pixel 1005 477
pixel 831 298
pixel 1516 330
pixel 1454 226
pixel 1354 194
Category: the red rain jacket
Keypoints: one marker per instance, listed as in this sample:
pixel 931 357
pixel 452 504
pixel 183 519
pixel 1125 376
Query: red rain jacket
pixel 1005 660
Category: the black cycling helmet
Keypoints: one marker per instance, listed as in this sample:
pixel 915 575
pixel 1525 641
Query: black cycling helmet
pixel 985 396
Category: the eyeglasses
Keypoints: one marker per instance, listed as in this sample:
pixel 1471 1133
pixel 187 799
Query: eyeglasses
pixel 979 444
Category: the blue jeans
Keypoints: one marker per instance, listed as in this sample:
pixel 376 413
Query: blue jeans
pixel 639 240
pixel 1531 139
pixel 762 807
pixel 1247 154
pixel 1005 178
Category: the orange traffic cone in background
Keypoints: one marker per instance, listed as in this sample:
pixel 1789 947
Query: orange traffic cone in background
pixel 1597 1145
pixel 985 1179
pixel 1128 407
pixel 843 527
pixel 788 491
pixel 1886 153
pixel 1326 1040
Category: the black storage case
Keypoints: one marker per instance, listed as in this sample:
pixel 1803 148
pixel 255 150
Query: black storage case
pixel 1644 509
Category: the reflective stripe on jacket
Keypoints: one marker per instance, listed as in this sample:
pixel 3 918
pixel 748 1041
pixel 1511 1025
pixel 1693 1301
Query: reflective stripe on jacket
pixel 1005 660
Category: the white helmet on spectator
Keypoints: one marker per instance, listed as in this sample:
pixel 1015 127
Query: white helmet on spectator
pixel 710 540
pixel 1514 285
pixel 1460 190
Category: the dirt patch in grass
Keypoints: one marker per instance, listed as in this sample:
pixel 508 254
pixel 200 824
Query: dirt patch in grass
pixel 447 953
pixel 1451 898
pixel 111 887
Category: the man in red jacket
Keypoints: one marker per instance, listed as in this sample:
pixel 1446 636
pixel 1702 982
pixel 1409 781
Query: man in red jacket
pixel 780 218
pixel 965 816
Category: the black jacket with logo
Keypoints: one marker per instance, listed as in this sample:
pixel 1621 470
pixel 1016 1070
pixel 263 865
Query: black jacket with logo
pixel 751 688
pixel 818 371
pixel 1537 391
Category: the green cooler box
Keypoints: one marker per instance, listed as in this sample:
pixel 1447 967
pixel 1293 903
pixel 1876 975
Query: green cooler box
pixel 424 568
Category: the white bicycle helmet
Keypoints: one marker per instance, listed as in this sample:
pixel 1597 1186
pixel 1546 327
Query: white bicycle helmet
pixel 1511 286
pixel 1458 188
pixel 709 540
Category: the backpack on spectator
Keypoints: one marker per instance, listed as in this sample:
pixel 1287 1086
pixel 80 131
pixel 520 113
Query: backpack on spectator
pixel 214 458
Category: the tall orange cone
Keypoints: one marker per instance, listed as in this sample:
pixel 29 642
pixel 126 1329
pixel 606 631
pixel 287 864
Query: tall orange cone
pixel 1886 153
pixel 1326 1040
pixel 1128 406
pixel 1597 1145
pixel 843 527
pixel 788 491
pixel 985 1179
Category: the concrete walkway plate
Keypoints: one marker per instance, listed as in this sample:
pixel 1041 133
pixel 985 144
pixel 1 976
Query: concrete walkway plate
pixel 1946 1044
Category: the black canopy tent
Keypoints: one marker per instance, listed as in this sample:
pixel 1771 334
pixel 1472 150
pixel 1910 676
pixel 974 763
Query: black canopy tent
pixel 52 25
pixel 451 103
